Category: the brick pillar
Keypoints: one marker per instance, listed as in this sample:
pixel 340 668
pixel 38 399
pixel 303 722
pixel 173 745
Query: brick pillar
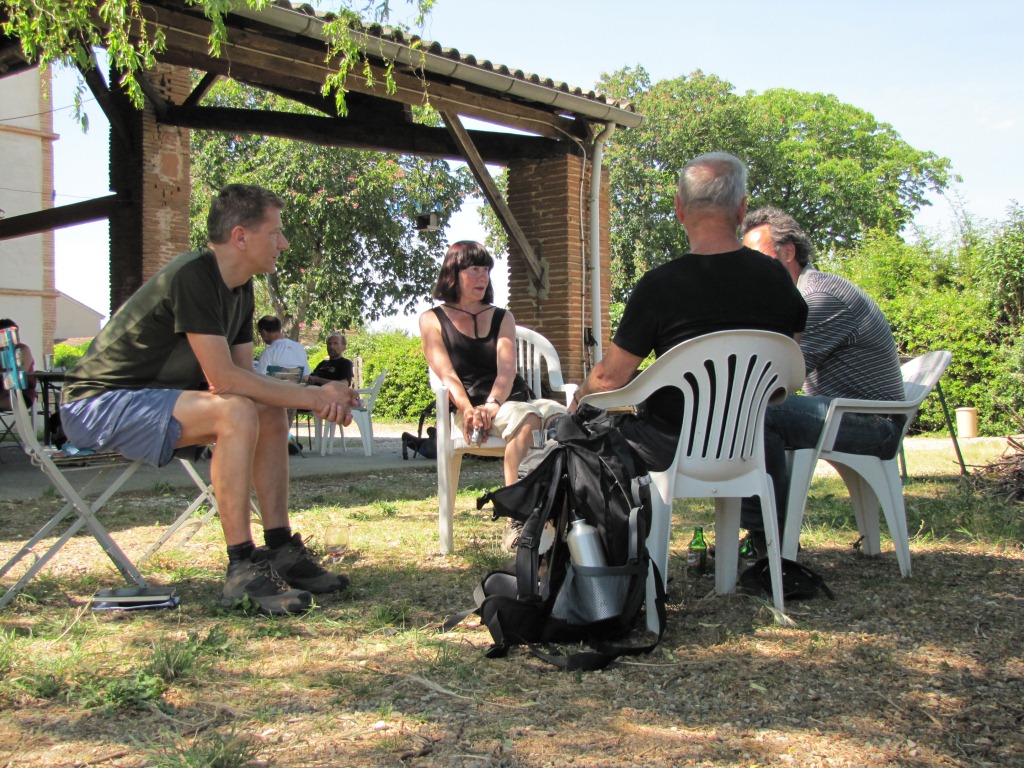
pixel 546 197
pixel 150 168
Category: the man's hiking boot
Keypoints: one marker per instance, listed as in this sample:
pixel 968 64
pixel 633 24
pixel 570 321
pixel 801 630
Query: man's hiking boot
pixel 301 570
pixel 256 579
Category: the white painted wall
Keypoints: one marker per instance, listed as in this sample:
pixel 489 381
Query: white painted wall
pixel 75 319
pixel 21 191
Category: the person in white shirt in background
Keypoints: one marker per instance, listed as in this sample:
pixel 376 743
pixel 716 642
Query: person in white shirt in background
pixel 280 351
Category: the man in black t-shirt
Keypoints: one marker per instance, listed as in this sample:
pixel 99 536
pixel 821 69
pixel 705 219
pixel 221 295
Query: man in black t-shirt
pixel 719 285
pixel 335 367
pixel 173 368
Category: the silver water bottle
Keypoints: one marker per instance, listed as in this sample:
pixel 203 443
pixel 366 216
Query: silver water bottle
pixel 585 549
pixel 585 546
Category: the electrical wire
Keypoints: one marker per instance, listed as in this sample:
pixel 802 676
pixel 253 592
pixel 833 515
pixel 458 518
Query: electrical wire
pixel 55 193
pixel 48 112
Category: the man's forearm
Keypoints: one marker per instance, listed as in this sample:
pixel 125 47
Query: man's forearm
pixel 614 370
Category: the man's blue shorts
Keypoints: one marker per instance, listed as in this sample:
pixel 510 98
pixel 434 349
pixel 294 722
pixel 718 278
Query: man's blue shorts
pixel 137 423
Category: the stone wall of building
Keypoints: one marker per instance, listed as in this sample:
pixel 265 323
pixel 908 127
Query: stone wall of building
pixel 27 291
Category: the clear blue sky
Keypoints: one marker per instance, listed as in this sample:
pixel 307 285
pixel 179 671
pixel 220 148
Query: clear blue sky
pixel 947 75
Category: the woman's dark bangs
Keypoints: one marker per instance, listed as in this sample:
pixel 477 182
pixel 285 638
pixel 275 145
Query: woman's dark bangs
pixel 475 257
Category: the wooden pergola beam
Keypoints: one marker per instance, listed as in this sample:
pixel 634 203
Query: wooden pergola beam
pixel 490 189
pixel 281 60
pixel 57 218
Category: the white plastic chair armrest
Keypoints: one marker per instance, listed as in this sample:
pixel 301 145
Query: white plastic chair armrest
pixel 844 405
pixel 614 398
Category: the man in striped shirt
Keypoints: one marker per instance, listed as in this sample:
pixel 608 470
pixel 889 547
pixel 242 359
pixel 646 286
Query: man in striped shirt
pixel 848 349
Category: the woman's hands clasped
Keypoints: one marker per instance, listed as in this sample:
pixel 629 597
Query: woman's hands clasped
pixel 481 416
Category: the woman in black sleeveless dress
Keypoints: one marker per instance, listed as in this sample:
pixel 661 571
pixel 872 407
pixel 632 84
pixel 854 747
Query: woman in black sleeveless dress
pixel 470 345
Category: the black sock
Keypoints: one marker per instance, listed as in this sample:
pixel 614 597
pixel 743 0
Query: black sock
pixel 276 538
pixel 239 553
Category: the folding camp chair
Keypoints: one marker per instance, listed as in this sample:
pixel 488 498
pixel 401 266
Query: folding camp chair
pixel 78 512
pixel 7 434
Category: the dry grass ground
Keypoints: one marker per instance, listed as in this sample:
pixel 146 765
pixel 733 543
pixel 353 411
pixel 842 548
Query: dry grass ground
pixel 925 671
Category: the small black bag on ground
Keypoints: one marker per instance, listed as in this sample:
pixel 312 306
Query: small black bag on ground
pixel 798 581
pixel 586 471
pixel 420 444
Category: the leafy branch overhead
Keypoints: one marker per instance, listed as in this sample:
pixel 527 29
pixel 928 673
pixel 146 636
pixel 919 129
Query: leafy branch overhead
pixel 354 253
pixel 66 31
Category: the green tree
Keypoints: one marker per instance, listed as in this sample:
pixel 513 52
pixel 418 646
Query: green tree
pixel 834 167
pixel 1002 267
pixel 354 253
pixel 68 30
pixel 926 292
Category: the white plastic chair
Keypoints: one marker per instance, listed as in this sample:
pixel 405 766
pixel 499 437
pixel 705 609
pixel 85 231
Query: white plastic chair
pixel 533 354
pixel 363 418
pixel 870 481
pixel 727 380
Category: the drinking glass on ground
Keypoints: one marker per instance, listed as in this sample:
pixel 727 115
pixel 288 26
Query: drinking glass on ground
pixel 336 540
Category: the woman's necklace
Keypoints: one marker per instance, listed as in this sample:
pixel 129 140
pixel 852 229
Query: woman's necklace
pixel 474 315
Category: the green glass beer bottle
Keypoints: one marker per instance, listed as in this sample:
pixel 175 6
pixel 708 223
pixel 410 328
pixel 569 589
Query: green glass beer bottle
pixel 697 555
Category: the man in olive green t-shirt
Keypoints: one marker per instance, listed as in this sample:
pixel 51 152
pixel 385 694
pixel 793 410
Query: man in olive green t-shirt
pixel 173 368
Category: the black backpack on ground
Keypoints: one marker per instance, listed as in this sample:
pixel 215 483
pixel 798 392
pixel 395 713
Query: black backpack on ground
pixel 798 581
pixel 586 471
pixel 420 444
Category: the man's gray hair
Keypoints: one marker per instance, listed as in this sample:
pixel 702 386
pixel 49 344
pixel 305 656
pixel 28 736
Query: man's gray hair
pixel 339 334
pixel 784 230
pixel 715 180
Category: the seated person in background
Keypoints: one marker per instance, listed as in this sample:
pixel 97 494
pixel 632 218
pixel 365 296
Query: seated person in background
pixel 335 367
pixel 173 368
pixel 848 349
pixel 470 345
pixel 719 285
pixel 27 364
pixel 280 351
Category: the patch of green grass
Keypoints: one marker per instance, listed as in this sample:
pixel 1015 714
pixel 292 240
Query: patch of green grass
pixel 385 508
pixel 359 684
pixel 8 651
pixel 208 750
pixel 392 742
pixel 355 659
pixel 455 661
pixel 175 659
pixel 180 572
pixel 44 685
pixel 387 615
pixel 116 692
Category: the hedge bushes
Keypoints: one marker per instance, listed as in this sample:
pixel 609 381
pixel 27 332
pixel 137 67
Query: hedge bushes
pixel 66 355
pixel 931 298
pixel 406 391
